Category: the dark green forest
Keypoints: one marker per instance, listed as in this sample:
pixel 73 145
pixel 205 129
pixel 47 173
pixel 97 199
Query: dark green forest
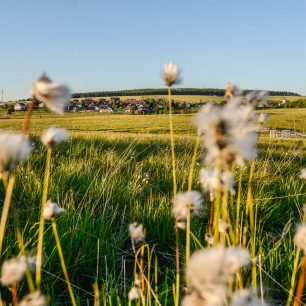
pixel 163 91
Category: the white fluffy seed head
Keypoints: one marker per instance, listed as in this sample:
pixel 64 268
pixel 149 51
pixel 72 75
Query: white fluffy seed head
pixel 215 267
pixel 54 136
pixel 230 91
pixel 303 174
pixel 13 271
pixel 136 232
pixel 300 237
pixel 222 226
pixel 13 148
pixel 262 118
pixel 257 98
pixel 188 200
pixel 193 300
pixel 54 95
pixel 245 297
pixel 180 224
pixel 236 258
pixel 51 210
pixel 171 74
pixel 228 132
pixel 134 293
pixel 215 296
pixel 210 181
pixel 212 295
pixel 34 299
pixel 209 238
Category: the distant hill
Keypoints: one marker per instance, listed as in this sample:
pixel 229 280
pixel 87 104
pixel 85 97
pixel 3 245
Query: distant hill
pixel 163 91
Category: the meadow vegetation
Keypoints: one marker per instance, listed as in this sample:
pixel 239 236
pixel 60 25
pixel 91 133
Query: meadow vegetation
pixel 118 169
pixel 144 124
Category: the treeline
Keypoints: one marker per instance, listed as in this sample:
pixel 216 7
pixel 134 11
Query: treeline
pixel 301 103
pixel 164 91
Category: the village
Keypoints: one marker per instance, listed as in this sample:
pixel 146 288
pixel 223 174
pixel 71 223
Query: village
pixel 134 106
pixel 117 105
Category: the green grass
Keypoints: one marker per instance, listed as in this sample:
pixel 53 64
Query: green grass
pixel 92 123
pixel 116 169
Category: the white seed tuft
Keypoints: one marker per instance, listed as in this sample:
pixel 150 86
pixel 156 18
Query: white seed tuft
pixel 14 148
pixel 227 131
pixel 303 174
pixel 34 299
pixel 171 74
pixel 300 237
pixel 262 118
pixel 51 210
pixel 210 181
pixel 13 271
pixel 136 232
pixel 134 293
pixel 54 95
pixel 215 267
pixel 53 136
pixel 182 202
pixel 245 297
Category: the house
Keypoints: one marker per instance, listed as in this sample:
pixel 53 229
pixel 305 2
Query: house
pixel 102 101
pixel 133 101
pixel 113 100
pixel 106 110
pixel 20 106
pixel 69 107
pixel 87 101
pixel 79 104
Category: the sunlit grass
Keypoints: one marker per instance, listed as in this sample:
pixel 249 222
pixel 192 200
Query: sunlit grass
pixel 117 169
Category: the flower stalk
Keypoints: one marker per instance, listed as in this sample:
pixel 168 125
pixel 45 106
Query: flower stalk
pixel 14 295
pixel 6 208
pixel 26 121
pixel 301 284
pixel 177 266
pixel 172 143
pixel 42 221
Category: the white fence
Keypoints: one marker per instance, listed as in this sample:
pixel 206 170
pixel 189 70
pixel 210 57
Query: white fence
pixel 286 134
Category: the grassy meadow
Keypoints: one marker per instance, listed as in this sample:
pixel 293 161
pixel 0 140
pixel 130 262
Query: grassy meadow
pixel 116 169
pixel 79 123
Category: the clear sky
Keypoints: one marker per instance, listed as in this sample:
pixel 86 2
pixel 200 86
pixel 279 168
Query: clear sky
pixel 122 44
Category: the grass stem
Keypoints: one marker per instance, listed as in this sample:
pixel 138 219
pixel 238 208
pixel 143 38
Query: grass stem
pixel 62 260
pixel 293 277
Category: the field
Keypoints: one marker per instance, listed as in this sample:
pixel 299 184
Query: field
pixel 92 123
pixel 115 170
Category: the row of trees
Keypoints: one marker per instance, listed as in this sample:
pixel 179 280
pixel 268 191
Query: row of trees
pixel 163 91
pixel 301 103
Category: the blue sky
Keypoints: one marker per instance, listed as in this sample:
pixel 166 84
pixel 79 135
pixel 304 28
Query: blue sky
pixel 123 44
